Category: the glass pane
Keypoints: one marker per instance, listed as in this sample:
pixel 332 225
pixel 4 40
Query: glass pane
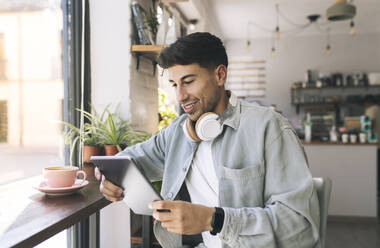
pixel 31 87
pixel 31 92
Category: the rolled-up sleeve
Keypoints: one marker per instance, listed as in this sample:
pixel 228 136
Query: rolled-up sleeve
pixel 149 155
pixel 290 217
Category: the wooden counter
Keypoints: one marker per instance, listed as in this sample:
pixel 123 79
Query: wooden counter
pixel 338 143
pixel 28 217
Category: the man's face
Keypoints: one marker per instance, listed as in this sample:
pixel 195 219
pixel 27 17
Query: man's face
pixel 197 89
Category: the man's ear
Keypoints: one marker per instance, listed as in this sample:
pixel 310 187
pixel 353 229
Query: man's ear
pixel 221 74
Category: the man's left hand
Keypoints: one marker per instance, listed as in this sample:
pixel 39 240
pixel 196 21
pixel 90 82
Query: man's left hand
pixel 184 217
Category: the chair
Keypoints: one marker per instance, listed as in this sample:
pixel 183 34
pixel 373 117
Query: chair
pixel 323 186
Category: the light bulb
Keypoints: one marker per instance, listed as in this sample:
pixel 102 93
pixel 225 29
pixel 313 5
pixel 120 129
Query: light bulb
pixel 277 33
pixel 328 50
pixel 248 46
pixel 192 27
pixel 273 52
pixel 352 28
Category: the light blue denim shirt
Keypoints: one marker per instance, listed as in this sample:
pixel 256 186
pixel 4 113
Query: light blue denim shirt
pixel 265 186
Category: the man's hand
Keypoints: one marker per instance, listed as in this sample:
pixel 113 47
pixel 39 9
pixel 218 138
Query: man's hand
pixel 184 217
pixel 110 191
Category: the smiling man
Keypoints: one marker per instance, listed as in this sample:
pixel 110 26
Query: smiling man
pixel 232 171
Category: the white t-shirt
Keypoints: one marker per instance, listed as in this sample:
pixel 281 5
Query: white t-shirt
pixel 203 186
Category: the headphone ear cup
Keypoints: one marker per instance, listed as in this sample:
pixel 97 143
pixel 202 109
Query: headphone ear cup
pixel 232 98
pixel 190 131
pixel 208 126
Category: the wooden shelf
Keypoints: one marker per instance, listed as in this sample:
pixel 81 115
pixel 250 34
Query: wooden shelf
pixel 341 88
pixel 156 49
pixel 326 103
pixel 150 52
pixel 173 1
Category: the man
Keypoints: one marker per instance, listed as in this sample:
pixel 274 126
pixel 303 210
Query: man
pixel 249 186
pixel 372 109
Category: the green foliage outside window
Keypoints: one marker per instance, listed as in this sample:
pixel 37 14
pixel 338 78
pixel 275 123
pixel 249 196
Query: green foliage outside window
pixel 166 111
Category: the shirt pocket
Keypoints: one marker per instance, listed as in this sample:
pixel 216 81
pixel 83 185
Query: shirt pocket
pixel 241 187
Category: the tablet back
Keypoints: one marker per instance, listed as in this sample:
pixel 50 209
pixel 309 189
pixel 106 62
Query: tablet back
pixel 123 172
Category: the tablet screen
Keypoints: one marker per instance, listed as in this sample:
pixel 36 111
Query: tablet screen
pixel 123 172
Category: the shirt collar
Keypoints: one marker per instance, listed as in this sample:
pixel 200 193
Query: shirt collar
pixel 231 116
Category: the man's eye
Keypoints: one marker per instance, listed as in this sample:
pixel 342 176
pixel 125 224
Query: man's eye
pixel 188 82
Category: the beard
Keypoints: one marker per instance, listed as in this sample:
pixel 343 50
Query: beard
pixel 206 104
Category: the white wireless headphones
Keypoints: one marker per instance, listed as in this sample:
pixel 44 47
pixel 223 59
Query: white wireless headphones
pixel 207 127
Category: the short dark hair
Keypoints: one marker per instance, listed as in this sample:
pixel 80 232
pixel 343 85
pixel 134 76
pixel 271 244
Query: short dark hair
pixel 202 48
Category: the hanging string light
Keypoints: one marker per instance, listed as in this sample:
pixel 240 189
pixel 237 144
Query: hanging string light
pixel 312 20
pixel 328 47
pixel 352 28
pixel 248 38
pixel 273 50
pixel 277 23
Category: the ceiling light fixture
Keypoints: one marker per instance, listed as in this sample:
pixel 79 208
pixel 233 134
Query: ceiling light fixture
pixel 352 28
pixel 341 10
pixel 277 31
pixel 248 38
pixel 328 47
pixel 273 50
pixel 192 24
pixel 248 46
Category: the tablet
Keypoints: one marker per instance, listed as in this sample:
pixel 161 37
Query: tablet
pixel 123 172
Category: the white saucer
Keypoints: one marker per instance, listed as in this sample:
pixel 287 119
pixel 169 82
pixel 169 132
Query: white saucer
pixel 61 191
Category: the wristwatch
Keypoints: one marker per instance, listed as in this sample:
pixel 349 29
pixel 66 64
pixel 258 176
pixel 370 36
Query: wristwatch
pixel 217 221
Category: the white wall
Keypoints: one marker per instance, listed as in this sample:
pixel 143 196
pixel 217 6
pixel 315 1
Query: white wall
pixel 207 22
pixel 110 61
pixel 115 81
pixel 295 55
pixel 110 54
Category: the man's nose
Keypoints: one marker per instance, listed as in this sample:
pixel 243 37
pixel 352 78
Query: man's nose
pixel 181 94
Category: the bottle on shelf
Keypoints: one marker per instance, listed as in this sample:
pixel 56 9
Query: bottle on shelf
pixel 333 134
pixel 307 126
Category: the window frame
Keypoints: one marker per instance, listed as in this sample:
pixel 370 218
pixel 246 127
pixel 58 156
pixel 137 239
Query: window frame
pixel 78 235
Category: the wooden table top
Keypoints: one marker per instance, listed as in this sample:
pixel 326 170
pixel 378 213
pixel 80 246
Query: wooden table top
pixel 28 217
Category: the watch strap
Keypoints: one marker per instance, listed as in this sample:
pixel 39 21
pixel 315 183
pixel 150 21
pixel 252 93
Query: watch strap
pixel 217 221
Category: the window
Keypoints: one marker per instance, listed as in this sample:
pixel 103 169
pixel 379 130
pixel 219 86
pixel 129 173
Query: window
pixel 3 121
pixel 31 91
pixel 2 58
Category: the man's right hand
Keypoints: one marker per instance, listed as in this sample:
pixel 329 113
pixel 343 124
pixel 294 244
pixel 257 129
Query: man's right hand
pixel 110 191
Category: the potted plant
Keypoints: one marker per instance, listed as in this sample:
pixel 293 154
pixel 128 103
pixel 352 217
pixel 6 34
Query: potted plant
pixel 114 133
pixel 92 145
